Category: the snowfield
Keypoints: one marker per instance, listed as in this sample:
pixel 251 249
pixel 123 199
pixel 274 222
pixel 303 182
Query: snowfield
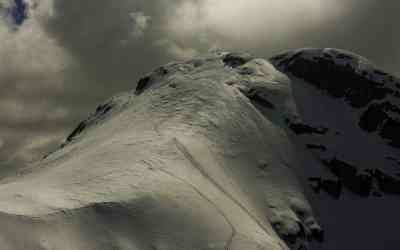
pixel 212 153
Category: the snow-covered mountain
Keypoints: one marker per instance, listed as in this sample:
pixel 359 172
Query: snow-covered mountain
pixel 349 120
pixel 213 153
pixel 350 113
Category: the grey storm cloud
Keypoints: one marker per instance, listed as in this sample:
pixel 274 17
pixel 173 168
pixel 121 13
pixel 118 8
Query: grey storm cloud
pixel 70 55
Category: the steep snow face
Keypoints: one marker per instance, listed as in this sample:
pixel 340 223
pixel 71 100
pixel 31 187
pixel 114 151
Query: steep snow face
pixel 350 119
pixel 196 157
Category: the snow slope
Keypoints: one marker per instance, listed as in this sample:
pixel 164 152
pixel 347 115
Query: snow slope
pixel 220 152
pixel 196 157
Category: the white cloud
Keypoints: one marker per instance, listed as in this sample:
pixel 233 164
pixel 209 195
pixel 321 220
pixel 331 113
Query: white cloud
pixel 175 50
pixel 30 51
pixel 246 23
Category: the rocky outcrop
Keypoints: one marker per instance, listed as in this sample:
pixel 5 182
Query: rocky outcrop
pixel 372 98
pixel 378 118
pixel 339 73
pixel 356 81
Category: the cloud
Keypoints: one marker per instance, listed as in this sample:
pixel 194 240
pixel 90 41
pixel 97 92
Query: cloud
pixel 30 65
pixel 175 50
pixel 69 55
pixel 61 62
pixel 251 20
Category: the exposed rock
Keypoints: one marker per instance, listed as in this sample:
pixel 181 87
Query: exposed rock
pixel 377 118
pixel 346 76
pixel 372 119
pixel 316 147
pixel 336 74
pixel 387 183
pixel 76 131
pixel 358 183
pixel 301 128
pixel 390 131
pixel 332 187
pixel 235 60
pixel 142 84
pixel 258 96
pixel 102 111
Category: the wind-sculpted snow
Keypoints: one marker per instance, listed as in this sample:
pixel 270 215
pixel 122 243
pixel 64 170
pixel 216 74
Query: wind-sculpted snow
pixel 195 157
pixel 359 105
pixel 214 153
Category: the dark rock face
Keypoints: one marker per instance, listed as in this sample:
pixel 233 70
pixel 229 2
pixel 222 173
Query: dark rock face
pixel 142 85
pixel 318 234
pixel 262 101
pixel 101 111
pixel 391 132
pixel 332 187
pixel 76 131
pixel 316 147
pixel 246 71
pixel 339 81
pixel 358 183
pixel 376 119
pixel 343 75
pixel 258 96
pixel 386 183
pixel 374 98
pixel 373 118
pixel 235 60
pixel 301 128
pixel 371 182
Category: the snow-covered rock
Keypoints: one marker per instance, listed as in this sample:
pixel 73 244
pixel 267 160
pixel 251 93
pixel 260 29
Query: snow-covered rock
pixel 214 153
pixel 350 112
pixel 196 157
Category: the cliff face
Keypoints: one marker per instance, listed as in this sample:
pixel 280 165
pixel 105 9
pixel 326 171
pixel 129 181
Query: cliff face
pixel 358 107
pixel 350 123
pixel 210 153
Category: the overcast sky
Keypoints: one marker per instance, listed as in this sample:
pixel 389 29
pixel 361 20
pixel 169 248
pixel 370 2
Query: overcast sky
pixel 69 55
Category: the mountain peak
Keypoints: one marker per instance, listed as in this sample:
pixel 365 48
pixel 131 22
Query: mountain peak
pixel 216 152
